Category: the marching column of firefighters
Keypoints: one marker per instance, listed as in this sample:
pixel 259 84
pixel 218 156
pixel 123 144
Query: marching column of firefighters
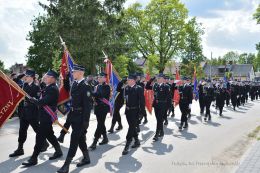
pixel 95 93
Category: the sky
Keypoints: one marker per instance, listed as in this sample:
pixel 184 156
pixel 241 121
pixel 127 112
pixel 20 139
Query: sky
pixel 228 26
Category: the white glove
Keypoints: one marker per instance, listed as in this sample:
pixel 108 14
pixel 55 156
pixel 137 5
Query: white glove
pixel 190 106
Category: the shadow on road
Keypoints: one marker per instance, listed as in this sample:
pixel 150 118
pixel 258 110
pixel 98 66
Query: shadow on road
pixel 159 148
pixel 125 164
pixel 184 134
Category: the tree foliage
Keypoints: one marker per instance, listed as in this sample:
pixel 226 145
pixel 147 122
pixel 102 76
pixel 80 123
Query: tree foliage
pixel 157 29
pixel 87 27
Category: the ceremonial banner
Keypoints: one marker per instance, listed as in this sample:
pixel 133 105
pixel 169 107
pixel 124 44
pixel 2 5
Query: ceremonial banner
pixel 176 97
pixel 65 73
pixel 112 79
pixel 10 97
pixel 195 90
pixel 149 96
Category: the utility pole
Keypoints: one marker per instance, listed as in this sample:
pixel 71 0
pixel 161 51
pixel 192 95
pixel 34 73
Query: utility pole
pixel 210 65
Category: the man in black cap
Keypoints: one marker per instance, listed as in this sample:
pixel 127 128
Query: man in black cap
pixel 161 102
pixel 134 97
pixel 79 118
pixel 48 98
pixel 119 102
pixel 101 95
pixel 29 115
pixel 209 96
pixel 186 95
pixel 140 82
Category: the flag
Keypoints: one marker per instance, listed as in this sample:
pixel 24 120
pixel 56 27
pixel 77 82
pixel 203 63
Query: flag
pixel 10 97
pixel 177 77
pixel 195 82
pixel 65 71
pixel 176 97
pixel 112 79
pixel 149 96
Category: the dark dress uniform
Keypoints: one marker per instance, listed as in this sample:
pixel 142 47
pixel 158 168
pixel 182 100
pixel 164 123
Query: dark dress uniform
pixel 233 95
pixel 79 118
pixel 49 98
pixel 209 96
pixel 143 113
pixel 134 99
pixel 101 109
pixel 119 102
pixel 201 98
pixel 171 109
pixel 29 116
pixel 161 103
pixel 220 99
pixel 186 96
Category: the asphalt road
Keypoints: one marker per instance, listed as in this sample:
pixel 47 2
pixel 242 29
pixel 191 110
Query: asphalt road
pixel 215 146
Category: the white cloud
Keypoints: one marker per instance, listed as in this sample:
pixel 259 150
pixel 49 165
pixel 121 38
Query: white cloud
pixel 230 30
pixel 15 16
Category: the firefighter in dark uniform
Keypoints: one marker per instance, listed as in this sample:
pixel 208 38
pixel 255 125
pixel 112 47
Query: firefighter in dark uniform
pixel 233 95
pixel 161 103
pixel 29 115
pixel 202 96
pixel 119 102
pixel 134 99
pixel 227 93
pixel 79 118
pixel 165 118
pixel 186 95
pixel 173 87
pixel 101 95
pixel 67 124
pixel 209 96
pixel 48 98
pixel 220 98
pixel 140 82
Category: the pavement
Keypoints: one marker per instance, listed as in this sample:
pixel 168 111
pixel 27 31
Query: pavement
pixel 216 146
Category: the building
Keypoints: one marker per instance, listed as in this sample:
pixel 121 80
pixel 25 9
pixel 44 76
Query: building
pixel 17 68
pixel 238 71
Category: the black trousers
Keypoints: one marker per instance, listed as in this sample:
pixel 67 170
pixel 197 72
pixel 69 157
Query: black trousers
pixel 207 104
pixel 45 132
pixel 171 109
pixel 78 138
pixel 184 107
pixel 202 104
pixel 116 114
pixel 160 111
pixel 24 125
pixel 132 117
pixel 101 128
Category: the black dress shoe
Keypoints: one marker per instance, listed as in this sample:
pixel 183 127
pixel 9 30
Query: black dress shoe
pixel 56 155
pixel 166 123
pixel 145 121
pixel 155 138
pixel 104 141
pixel 17 152
pixel 111 131
pixel 30 162
pixel 120 127
pixel 136 144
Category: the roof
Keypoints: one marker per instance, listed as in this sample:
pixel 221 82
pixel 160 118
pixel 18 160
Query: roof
pixel 236 69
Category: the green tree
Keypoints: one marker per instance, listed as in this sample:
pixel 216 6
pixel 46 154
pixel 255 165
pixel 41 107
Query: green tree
pixel 231 57
pixel 87 27
pixel 188 69
pixel 121 65
pixel 157 29
pixel 2 66
pixel 193 48
pixel 246 58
